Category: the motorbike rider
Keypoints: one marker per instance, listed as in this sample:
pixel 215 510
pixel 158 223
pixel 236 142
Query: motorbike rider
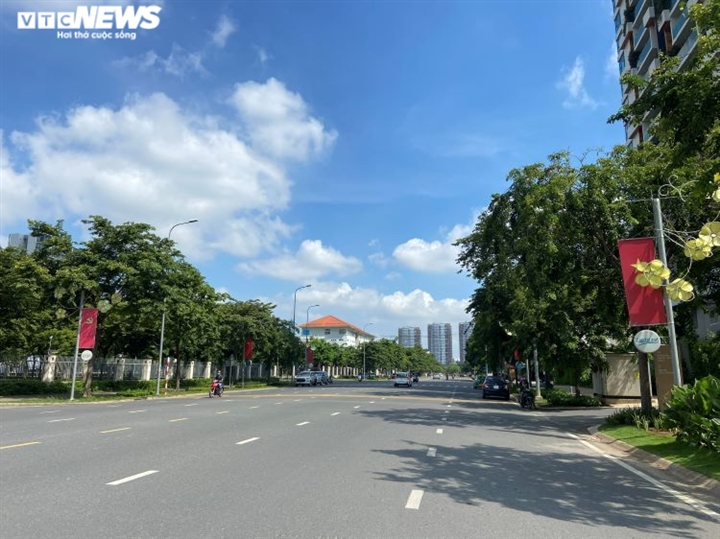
pixel 219 379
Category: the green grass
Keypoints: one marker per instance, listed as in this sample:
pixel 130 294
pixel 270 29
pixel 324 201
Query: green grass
pixel 698 459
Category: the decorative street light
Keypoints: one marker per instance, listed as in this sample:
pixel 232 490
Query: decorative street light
pixel 364 366
pixel 162 325
pixel 307 321
pixel 294 308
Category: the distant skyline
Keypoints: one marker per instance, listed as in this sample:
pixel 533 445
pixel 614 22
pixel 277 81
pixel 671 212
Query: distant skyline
pixel 346 145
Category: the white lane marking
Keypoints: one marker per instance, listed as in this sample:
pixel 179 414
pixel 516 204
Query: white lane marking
pixel 114 405
pixel 356 407
pixel 114 430
pixel 179 419
pixel 383 398
pixel 439 431
pixel 447 411
pixel 303 423
pixel 335 413
pixel 414 500
pixel 444 418
pixel 50 412
pixel 137 411
pixel 247 441
pixel 19 445
pixel 223 412
pixel 431 452
pixel 58 420
pixel 278 403
pixel 195 404
pixel 297 400
pixel 680 496
pixel 253 407
pixel 131 478
pixel 372 402
pixel 449 405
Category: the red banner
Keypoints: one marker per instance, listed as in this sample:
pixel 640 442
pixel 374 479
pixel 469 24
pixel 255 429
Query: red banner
pixel 88 325
pixel 248 349
pixel 645 303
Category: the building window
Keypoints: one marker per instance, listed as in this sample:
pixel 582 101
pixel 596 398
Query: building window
pixel 341 331
pixel 327 332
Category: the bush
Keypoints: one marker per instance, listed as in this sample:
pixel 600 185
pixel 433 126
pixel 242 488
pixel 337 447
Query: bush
pixel 694 412
pixel 32 387
pixel 555 397
pixel 636 418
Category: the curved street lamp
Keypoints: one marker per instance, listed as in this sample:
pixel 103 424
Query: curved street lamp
pixel 162 325
pixel 294 327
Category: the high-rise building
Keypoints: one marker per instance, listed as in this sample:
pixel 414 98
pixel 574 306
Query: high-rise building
pixel 464 332
pixel 644 29
pixel 409 337
pixel 26 242
pixel 440 342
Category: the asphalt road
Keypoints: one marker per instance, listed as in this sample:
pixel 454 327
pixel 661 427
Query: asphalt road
pixel 351 460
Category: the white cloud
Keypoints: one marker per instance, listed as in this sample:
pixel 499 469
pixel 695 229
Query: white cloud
pixel 225 28
pixel 263 55
pixel 149 161
pixel 312 261
pixel 573 82
pixel 280 121
pixel 178 63
pixel 611 63
pixel 432 256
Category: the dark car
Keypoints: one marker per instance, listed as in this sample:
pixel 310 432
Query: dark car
pixel 495 386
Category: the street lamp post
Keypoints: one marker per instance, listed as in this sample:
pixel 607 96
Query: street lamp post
pixel 307 336
pixel 364 363
pixel 162 325
pixel 294 308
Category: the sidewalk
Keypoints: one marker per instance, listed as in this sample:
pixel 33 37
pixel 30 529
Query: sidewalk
pixel 683 477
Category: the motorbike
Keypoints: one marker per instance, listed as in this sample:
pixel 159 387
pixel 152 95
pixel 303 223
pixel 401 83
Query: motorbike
pixel 527 399
pixel 360 377
pixel 216 389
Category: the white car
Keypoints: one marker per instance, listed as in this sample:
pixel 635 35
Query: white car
pixel 403 379
pixel 305 378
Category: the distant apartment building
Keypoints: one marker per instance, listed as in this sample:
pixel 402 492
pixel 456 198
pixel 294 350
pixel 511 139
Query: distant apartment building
pixel 26 242
pixel 409 337
pixel 464 332
pixel 440 342
pixel 643 30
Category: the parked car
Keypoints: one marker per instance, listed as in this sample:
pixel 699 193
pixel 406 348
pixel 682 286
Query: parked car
pixel 403 379
pixel 305 378
pixel 495 386
pixel 437 376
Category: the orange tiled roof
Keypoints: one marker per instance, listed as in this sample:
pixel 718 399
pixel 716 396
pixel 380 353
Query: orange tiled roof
pixel 332 322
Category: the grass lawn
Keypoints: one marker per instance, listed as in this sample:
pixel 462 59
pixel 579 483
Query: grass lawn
pixel 700 460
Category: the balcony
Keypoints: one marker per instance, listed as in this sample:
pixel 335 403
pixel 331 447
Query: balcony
pixel 687 50
pixel 644 13
pixel 639 36
pixel 680 27
pixel 622 65
pixel 647 54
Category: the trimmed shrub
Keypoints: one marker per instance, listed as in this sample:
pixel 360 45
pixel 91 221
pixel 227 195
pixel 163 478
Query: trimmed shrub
pixel 694 412
pixel 635 417
pixel 555 397
pixel 19 387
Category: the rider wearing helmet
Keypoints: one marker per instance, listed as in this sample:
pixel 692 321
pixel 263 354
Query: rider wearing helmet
pixel 219 378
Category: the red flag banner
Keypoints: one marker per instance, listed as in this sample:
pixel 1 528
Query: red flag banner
pixel 248 349
pixel 88 326
pixel 645 304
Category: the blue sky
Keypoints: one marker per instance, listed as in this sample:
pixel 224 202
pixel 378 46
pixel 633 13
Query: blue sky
pixel 341 144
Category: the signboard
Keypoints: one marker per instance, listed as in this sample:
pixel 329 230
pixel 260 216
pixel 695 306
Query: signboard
pixel 305 332
pixel 647 341
pixel 520 365
pixel 86 355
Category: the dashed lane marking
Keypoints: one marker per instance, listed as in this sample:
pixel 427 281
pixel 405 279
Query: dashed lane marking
pixel 59 420
pixel 131 478
pixel 431 452
pixel 247 441
pixel 136 411
pixel 439 431
pixel 114 430
pixel 179 419
pixel 414 500
pixel 335 413
pixel 303 423
pixel 25 444
pixel 223 412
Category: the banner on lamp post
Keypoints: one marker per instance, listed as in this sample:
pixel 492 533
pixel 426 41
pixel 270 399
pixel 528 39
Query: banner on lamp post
pixel 248 349
pixel 645 303
pixel 88 327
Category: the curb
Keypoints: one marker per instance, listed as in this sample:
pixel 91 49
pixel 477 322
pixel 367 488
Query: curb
pixel 683 476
